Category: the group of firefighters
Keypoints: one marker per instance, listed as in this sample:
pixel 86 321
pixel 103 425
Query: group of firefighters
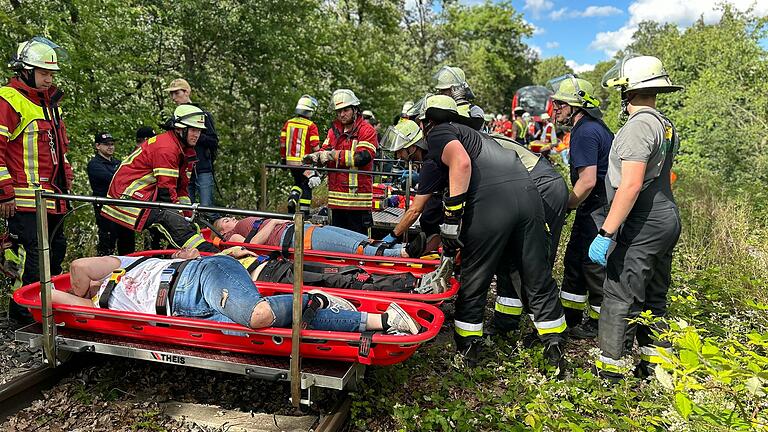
pixel 497 207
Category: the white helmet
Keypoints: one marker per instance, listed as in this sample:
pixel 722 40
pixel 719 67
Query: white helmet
pixel 343 98
pixel 306 106
pixel 545 117
pixel 38 52
pixel 186 116
pixel 403 135
pixel 642 74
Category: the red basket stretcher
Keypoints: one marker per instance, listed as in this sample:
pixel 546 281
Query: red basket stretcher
pixel 380 349
pixel 371 264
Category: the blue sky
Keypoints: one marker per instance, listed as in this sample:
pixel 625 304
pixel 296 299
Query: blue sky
pixel 588 31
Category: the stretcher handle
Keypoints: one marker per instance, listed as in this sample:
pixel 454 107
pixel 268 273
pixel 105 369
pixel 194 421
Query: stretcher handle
pixel 266 376
pixel 310 167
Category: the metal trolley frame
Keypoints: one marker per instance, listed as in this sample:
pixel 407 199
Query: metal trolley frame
pixel 325 374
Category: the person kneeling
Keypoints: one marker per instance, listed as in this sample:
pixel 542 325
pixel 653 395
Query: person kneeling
pixel 215 288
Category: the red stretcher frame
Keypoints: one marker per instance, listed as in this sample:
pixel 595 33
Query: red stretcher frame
pixel 328 345
pixel 371 264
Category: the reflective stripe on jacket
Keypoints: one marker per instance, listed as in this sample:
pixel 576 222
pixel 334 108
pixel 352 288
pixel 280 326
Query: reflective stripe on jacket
pixel 161 162
pixel 33 146
pixel 351 191
pixel 298 137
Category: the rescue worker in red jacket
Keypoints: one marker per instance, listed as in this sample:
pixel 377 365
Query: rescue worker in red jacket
pixel 298 138
pixel 33 156
pixel 352 144
pixel 158 170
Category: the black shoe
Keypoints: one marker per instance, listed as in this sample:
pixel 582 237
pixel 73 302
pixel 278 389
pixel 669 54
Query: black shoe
pixel 553 354
pixel 644 369
pixel 415 248
pixel 610 377
pixel 470 351
pixel 585 330
pixel 531 340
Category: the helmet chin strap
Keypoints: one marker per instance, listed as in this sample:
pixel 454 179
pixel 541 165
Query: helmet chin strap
pixel 569 120
pixel 28 77
pixel 625 100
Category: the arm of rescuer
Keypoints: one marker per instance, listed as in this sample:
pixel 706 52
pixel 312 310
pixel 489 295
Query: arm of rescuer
pixel 8 122
pixel 283 133
pixel 632 177
pixel 583 187
pixel 365 151
pixel 166 168
pixel 69 174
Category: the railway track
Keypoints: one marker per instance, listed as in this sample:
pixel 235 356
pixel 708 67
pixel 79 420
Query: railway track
pixel 21 391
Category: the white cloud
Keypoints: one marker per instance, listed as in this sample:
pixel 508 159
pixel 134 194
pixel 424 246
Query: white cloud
pixel 537 7
pixel 552 45
pixel 535 49
pixel 536 29
pixel 579 67
pixel 680 12
pixel 589 12
pixel 600 11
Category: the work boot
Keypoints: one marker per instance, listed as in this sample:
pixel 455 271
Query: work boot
pixel 400 322
pixel 330 301
pixel 470 351
pixel 585 330
pixel 531 339
pixel 644 369
pixel 573 317
pixel 553 354
pixel 415 248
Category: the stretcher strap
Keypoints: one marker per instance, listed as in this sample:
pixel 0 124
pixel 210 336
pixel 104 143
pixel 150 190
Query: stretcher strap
pixel 168 280
pixel 254 229
pixel 380 246
pixel 114 279
pixel 364 350
pixel 287 240
pixel 309 313
pixel 308 237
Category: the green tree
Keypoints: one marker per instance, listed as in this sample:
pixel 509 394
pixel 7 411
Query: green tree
pixel 550 68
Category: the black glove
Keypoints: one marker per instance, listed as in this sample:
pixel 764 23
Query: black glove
pixel 453 211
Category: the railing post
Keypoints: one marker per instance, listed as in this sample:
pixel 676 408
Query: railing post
pixel 298 282
pixel 408 195
pixel 44 266
pixel 263 201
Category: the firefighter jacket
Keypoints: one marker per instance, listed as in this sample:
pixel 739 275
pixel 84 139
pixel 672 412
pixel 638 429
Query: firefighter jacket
pixel 33 146
pixel 298 138
pixel 158 170
pixel 351 191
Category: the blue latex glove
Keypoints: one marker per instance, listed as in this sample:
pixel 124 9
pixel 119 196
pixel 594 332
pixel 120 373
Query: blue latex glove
pixel 390 238
pixel 598 250
pixel 414 177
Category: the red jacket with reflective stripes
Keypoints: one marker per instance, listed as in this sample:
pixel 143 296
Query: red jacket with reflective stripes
pixel 298 138
pixel 156 171
pixel 33 146
pixel 350 191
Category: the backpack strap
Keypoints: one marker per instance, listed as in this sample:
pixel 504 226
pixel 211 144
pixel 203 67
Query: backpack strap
pixel 114 279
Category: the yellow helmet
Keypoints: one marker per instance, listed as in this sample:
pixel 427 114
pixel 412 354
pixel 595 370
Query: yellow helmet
pixel 306 106
pixel 343 98
pixel 186 115
pixel 448 77
pixel 440 108
pixel 38 52
pixel 642 74
pixel 403 135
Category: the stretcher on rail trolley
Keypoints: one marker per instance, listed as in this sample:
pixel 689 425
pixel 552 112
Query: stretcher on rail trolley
pixel 375 265
pixel 369 349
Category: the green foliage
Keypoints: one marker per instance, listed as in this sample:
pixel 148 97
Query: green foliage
pixel 549 68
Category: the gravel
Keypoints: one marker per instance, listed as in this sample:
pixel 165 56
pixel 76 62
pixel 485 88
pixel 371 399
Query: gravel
pixel 15 357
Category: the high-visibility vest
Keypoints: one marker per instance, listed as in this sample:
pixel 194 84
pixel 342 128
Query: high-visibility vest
pixel 33 151
pixel 351 191
pixel 298 138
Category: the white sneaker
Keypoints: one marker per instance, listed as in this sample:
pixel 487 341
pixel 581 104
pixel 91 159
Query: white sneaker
pixel 330 301
pixel 399 321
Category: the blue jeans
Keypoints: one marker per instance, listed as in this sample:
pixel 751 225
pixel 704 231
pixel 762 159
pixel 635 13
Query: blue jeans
pixel 218 288
pixel 203 183
pixel 335 239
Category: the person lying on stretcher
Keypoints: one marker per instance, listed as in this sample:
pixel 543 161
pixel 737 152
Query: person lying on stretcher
pixel 215 288
pixel 276 232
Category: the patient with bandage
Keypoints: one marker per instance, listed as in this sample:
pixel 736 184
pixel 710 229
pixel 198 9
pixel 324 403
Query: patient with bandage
pixel 276 232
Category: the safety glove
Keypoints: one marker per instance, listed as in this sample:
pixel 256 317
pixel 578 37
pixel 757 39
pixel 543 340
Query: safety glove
pixel 453 211
pixel 314 180
pixel 404 178
pixel 598 250
pixel 319 158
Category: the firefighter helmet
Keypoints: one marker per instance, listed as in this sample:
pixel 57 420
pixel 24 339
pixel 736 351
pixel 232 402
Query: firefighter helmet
pixel 306 106
pixel 403 135
pixel 407 107
pixel 449 77
pixel 186 115
pixel 343 98
pixel 38 52
pixel 441 108
pixel 641 74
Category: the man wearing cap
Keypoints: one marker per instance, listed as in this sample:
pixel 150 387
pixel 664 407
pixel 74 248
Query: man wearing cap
pixel 590 145
pixel 144 133
pixel 101 169
pixel 33 156
pixel 207 147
